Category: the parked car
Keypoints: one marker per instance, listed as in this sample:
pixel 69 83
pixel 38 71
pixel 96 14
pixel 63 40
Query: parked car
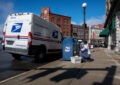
pixel 98 45
pixel 0 40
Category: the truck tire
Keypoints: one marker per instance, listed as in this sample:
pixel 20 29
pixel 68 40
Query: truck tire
pixel 40 56
pixel 16 56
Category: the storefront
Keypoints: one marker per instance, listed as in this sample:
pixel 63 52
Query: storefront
pixel 112 27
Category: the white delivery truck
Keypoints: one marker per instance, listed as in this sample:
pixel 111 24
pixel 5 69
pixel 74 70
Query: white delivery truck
pixel 28 34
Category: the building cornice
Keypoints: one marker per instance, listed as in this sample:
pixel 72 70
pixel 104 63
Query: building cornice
pixel 115 3
pixel 60 15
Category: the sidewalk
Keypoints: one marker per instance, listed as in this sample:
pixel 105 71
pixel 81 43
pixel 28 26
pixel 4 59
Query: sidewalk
pixel 104 70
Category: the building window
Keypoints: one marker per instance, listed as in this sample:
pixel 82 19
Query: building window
pixel 67 27
pixel 75 35
pixel 64 20
pixel 86 36
pixel 64 27
pixel 58 25
pixel 52 19
pixel 67 21
pixel 64 33
pixel 58 20
pixel 86 32
pixel 67 33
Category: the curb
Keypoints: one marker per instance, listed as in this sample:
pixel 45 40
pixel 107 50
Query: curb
pixel 15 76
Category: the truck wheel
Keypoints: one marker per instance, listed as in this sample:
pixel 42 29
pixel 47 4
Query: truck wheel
pixel 16 56
pixel 40 56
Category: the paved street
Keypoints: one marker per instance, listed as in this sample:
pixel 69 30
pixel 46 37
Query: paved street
pixel 10 67
pixel 103 70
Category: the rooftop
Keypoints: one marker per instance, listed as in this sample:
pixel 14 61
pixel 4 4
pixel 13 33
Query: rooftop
pixel 101 26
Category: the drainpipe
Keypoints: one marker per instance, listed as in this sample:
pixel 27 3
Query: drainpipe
pixel 109 42
pixel 117 49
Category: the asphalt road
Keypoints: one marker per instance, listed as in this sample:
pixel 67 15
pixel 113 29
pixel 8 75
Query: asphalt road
pixel 10 67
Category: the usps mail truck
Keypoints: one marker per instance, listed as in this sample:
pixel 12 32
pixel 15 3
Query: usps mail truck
pixel 28 34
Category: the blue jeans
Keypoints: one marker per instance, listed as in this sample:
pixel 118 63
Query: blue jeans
pixel 84 55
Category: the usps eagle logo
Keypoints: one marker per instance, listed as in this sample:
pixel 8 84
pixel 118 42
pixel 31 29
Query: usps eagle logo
pixel 55 34
pixel 17 27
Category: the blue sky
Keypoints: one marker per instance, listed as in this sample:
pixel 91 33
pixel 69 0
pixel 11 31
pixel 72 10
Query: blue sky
pixel 95 10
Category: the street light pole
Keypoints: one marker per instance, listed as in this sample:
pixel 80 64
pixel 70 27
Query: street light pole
pixel 84 5
pixel 84 15
pixel 84 24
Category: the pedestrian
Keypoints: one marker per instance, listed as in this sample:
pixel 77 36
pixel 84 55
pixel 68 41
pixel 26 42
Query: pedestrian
pixel 82 42
pixel 85 51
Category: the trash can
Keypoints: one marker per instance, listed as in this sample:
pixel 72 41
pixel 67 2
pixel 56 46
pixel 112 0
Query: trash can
pixel 67 48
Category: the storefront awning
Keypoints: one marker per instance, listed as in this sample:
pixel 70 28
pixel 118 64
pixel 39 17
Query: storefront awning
pixel 113 24
pixel 104 33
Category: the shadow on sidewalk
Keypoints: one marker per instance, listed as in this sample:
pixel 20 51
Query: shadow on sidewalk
pixel 69 73
pixel 108 80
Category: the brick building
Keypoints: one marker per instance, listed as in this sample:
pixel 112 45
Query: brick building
pixel 78 32
pixel 64 22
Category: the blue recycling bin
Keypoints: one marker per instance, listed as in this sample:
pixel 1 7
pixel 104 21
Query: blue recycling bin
pixel 67 48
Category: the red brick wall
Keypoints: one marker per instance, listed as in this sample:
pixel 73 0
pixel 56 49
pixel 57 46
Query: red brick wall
pixel 62 24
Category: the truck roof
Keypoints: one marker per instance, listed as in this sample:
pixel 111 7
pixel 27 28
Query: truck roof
pixel 19 14
pixel 16 14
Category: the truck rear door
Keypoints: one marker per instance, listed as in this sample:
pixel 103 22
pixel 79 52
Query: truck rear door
pixel 16 34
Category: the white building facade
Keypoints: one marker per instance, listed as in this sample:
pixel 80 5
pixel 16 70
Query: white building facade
pixel 94 32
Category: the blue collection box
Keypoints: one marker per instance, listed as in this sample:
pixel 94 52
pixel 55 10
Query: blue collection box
pixel 67 48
